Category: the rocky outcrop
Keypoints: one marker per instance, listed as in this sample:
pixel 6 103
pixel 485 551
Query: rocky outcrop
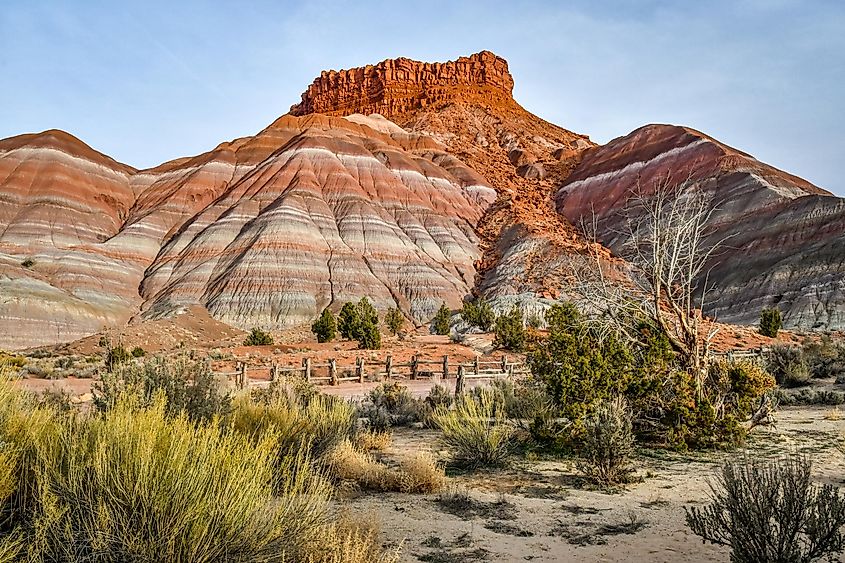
pixel 400 86
pixel 784 238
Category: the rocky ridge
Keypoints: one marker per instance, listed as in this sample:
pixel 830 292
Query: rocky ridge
pixel 784 238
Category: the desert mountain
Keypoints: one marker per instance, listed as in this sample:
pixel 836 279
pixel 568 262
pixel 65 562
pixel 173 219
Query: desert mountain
pixel 268 230
pixel 783 238
pixel 410 183
pixel 468 106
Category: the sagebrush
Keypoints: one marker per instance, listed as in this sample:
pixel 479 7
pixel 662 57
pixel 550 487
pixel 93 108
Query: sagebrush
pixel 771 511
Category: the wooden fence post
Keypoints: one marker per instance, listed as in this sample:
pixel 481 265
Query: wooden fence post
pixel 333 371
pixel 445 367
pixel 360 368
pixel 459 383
pixel 476 364
pixel 274 372
pixel 504 363
pixel 388 367
pixel 413 367
pixel 241 377
pixel 306 366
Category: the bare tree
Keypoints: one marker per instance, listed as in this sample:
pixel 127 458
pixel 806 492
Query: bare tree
pixel 668 248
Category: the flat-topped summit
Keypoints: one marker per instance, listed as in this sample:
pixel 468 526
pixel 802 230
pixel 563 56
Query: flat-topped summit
pixel 397 86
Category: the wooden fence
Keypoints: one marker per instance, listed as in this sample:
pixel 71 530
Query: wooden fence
pixel 743 354
pixel 330 372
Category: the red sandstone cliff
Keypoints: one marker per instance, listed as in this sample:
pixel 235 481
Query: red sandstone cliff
pixel 399 86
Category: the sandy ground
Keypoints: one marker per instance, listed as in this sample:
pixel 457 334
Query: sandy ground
pixel 543 511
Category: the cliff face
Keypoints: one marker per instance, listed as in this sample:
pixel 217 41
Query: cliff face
pixel 398 86
pixel 784 238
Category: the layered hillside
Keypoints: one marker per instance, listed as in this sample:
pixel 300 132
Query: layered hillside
pixel 467 105
pixel 410 183
pixel 784 238
pixel 265 230
pixel 315 211
pixel 61 274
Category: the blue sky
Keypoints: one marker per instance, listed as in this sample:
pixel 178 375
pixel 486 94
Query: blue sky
pixel 146 82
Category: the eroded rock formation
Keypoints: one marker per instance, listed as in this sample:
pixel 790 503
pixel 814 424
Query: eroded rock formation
pixel 526 247
pixel 400 86
pixel 410 183
pixel 265 230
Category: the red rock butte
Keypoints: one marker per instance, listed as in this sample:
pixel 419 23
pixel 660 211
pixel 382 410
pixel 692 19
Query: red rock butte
pixel 398 86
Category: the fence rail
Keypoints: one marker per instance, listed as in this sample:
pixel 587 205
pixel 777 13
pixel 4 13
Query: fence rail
pixel 332 373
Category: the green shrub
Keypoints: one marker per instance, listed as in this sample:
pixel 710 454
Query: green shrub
pixel 476 431
pixel 394 319
pixel 391 404
pixel 115 356
pixel 808 396
pixel 28 263
pixel 788 366
pixel 607 443
pixel 258 337
pixel 325 328
pixel 577 364
pixel 770 322
pixel 360 322
pixel 478 314
pixel 187 386
pixel 138 352
pixel 441 320
pixel 772 511
pixel 348 321
pixel 369 337
pixel 824 358
pixel 510 331
pixel 732 390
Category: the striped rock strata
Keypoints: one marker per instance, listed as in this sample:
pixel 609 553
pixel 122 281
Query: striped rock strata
pixel 785 237
pixel 62 276
pixel 265 230
pixel 527 248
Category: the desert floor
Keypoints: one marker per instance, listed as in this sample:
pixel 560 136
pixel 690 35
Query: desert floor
pixel 541 510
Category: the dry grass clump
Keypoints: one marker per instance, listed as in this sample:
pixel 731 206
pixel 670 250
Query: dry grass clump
pixel 351 540
pixel 140 484
pixel 373 440
pixel 107 488
pixel 477 431
pixel 418 473
pixel 320 424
